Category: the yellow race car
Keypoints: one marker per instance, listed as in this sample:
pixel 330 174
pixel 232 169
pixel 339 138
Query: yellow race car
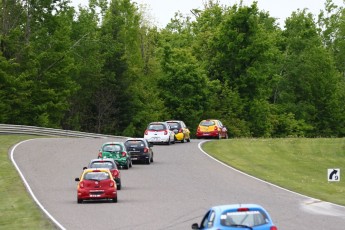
pixel 180 129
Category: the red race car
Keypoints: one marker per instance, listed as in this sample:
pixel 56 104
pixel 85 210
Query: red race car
pixel 110 164
pixel 96 184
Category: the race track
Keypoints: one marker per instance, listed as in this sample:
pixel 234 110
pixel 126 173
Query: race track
pixel 171 193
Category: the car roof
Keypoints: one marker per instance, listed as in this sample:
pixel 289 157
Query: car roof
pixel 222 208
pixel 173 121
pixel 97 169
pixel 113 143
pixel 136 138
pixel 157 122
pixel 105 159
pixel 210 120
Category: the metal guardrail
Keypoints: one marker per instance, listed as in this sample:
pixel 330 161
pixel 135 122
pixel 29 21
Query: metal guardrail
pixel 33 130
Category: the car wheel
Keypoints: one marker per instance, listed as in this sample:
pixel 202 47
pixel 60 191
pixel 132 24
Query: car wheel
pixel 151 158
pixel 127 164
pixel 168 143
pixel 148 161
pixel 188 140
pixel 130 163
pixel 182 141
pixel 119 186
pixel 80 201
pixel 114 200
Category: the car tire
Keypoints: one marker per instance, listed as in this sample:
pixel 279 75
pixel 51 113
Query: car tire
pixel 127 165
pixel 80 201
pixel 119 186
pixel 148 161
pixel 168 143
pixel 114 200
pixel 151 158
pixel 130 163
pixel 182 141
pixel 188 140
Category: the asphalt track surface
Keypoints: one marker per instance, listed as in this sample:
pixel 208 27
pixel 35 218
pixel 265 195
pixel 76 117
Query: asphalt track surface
pixel 171 193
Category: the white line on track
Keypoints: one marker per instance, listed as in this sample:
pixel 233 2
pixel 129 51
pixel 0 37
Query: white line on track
pixel 29 188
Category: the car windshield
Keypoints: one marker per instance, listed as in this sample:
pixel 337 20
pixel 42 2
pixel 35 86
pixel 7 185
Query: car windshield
pixel 243 218
pixel 156 127
pixel 134 143
pixel 106 164
pixel 112 148
pixel 207 123
pixel 174 125
pixel 96 176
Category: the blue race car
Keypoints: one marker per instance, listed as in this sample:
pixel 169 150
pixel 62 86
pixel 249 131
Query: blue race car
pixel 236 217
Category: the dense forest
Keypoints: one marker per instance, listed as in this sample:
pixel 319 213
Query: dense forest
pixel 106 68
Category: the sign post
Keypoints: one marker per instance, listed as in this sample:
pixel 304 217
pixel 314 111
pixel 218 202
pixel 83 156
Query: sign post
pixel 333 175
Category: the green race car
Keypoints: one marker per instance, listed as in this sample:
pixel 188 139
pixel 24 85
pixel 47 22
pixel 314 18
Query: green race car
pixel 116 151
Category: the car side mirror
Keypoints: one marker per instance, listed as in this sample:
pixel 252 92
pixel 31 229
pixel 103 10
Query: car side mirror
pixel 77 179
pixel 195 226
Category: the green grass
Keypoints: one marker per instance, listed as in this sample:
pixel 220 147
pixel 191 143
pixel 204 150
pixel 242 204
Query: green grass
pixel 17 208
pixel 297 164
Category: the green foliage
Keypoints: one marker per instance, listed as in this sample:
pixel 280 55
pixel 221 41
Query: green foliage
pixel 310 83
pixel 106 69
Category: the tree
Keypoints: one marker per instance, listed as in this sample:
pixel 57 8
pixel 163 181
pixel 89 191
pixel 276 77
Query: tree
pixel 311 83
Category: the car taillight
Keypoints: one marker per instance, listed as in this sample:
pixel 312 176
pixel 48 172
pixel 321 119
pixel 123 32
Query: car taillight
pixel 146 150
pixel 100 155
pixel 198 129
pixel 243 209
pixel 180 131
pixel 146 132
pixel 165 132
pixel 81 184
pixel 123 154
pixel 215 128
pixel 273 228
pixel 116 173
pixel 111 184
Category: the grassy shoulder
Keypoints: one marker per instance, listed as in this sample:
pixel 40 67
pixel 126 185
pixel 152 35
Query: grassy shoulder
pixel 17 209
pixel 297 164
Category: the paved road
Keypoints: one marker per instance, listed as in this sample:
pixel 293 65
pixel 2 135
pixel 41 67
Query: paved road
pixel 171 193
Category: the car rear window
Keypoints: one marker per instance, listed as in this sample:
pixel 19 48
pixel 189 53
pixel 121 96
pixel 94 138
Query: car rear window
pixel 96 176
pixel 135 143
pixel 107 165
pixel 156 127
pixel 207 123
pixel 248 218
pixel 174 125
pixel 112 148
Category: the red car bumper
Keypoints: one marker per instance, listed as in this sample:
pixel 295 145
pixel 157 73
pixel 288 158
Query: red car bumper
pixel 95 194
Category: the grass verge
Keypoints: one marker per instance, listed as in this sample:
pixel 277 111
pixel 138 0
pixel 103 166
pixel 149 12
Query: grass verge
pixel 17 209
pixel 297 164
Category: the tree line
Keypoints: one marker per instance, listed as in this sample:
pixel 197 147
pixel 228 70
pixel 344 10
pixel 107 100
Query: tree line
pixel 106 68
